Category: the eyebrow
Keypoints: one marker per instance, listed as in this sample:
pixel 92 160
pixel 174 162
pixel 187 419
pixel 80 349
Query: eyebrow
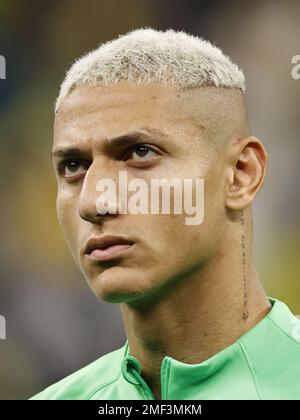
pixel 144 134
pixel 66 152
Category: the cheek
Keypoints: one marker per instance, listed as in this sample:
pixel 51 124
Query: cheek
pixel 215 209
pixel 182 244
pixel 172 241
pixel 66 214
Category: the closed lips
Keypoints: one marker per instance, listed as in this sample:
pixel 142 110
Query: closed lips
pixel 105 242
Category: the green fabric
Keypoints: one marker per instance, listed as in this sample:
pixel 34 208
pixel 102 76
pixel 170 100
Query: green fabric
pixel 262 364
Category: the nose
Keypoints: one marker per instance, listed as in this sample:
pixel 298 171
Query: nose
pixel 95 205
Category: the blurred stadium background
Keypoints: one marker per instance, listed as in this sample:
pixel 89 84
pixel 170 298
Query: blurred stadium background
pixel 55 325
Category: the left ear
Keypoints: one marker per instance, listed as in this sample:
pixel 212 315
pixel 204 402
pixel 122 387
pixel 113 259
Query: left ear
pixel 247 171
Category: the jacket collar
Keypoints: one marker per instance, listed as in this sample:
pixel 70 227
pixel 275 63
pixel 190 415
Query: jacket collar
pixel 181 380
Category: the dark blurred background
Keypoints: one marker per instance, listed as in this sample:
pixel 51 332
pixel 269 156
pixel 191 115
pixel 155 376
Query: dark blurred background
pixel 55 325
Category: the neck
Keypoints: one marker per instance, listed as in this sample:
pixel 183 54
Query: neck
pixel 201 314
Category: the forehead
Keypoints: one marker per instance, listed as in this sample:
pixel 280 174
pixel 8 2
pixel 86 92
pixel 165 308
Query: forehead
pixel 94 112
pixel 114 108
pixel 123 95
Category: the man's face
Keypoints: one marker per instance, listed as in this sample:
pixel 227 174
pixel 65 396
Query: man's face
pixel 181 143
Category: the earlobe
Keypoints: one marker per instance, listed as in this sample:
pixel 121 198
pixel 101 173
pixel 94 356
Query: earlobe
pixel 247 173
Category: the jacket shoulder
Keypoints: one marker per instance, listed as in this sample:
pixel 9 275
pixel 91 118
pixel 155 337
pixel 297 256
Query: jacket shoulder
pixel 83 383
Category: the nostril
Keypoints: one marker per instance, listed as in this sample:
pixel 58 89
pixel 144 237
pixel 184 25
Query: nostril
pixel 107 213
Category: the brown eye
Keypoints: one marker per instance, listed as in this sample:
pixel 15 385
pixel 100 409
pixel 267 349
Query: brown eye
pixel 70 168
pixel 142 152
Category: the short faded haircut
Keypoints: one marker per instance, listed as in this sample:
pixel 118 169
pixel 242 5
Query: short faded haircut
pixel 147 55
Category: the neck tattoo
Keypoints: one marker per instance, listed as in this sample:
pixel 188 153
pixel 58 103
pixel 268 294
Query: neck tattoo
pixel 245 297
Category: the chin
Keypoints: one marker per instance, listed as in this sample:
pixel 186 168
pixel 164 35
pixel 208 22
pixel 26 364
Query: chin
pixel 120 285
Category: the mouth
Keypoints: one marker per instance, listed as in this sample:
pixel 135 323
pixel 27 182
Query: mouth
pixel 106 247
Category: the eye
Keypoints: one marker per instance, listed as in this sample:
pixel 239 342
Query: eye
pixel 141 152
pixel 72 167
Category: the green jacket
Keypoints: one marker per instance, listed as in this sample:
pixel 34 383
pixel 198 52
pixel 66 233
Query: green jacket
pixel 263 364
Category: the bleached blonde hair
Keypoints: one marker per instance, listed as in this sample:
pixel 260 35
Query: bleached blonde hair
pixel 149 55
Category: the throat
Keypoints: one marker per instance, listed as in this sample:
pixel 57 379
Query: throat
pixel 154 384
